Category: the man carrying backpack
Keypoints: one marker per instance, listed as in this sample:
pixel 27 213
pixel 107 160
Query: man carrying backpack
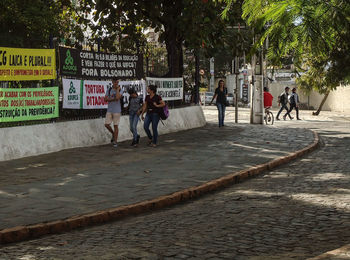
pixel 114 110
pixel 283 101
pixel 294 103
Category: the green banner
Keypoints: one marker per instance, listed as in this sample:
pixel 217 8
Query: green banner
pixel 28 104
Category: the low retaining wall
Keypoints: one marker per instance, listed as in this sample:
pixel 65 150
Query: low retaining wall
pixel 23 141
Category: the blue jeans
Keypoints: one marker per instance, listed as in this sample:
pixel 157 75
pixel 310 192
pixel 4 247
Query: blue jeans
pixel 221 109
pixel 133 120
pixel 154 119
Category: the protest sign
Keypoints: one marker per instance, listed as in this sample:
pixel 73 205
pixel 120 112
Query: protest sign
pixel 71 93
pixel 97 65
pixel 28 104
pixel 168 88
pixel 91 92
pixel 94 93
pixel 138 85
pixel 27 64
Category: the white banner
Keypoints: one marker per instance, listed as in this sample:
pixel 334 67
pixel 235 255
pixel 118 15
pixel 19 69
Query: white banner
pixel 94 93
pixel 91 93
pixel 168 88
pixel 71 93
pixel 138 85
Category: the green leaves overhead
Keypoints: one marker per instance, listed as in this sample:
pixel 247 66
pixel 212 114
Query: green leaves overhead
pixel 30 23
pixel 315 33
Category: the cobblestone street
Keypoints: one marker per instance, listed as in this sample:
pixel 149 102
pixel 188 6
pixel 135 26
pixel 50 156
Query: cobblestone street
pixel 297 211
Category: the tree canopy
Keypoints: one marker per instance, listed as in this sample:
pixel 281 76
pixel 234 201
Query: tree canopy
pixel 29 24
pixel 315 33
pixel 183 23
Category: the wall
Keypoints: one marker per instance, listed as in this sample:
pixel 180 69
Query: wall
pixel 337 100
pixel 23 141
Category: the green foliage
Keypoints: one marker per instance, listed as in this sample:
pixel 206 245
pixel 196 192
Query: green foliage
pixel 314 33
pixel 29 24
pixel 192 24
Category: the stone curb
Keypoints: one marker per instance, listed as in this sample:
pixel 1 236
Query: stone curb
pixel 21 233
pixel 340 253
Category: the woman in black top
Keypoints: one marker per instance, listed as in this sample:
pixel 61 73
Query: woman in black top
pixel 152 105
pixel 220 95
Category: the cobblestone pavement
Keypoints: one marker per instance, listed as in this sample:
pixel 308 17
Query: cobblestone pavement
pixel 84 180
pixel 297 211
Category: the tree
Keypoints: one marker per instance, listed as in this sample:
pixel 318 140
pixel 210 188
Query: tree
pixel 29 24
pixel 188 23
pixel 314 33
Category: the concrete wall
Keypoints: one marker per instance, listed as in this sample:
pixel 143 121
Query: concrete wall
pixel 338 100
pixel 23 141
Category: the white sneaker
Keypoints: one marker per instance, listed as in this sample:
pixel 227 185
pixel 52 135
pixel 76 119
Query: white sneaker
pixel 115 145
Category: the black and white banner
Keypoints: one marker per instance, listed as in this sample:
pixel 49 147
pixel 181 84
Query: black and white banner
pixel 168 88
pixel 89 94
pixel 98 65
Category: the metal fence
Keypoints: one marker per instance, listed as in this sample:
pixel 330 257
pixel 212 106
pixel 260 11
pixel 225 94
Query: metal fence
pixel 154 64
pixel 81 114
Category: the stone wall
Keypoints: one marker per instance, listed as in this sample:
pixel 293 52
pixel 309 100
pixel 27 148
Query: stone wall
pixel 23 141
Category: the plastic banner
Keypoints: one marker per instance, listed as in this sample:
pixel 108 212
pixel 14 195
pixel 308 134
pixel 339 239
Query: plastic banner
pixel 71 93
pixel 28 104
pixel 98 65
pixel 27 64
pixel 168 88
pixel 91 92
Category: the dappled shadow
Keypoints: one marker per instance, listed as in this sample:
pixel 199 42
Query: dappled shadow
pixel 76 181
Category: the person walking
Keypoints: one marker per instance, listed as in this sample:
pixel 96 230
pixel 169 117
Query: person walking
pixel 294 102
pixel 135 109
pixel 113 96
pixel 283 101
pixel 152 105
pixel 221 101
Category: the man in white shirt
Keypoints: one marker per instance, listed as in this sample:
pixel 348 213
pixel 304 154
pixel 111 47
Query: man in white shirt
pixel 294 103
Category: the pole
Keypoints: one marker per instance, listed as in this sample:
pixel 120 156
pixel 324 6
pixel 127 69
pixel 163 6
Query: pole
pixel 197 77
pixel 236 70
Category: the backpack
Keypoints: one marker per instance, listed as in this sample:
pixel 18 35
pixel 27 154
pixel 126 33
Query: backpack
pixel 164 112
pixel 282 98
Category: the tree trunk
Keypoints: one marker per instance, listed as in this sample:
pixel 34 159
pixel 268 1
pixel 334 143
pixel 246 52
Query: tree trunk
pixel 321 105
pixel 175 57
pixel 173 39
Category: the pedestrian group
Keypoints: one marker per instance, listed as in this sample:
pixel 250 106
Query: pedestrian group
pixel 292 99
pixel 151 107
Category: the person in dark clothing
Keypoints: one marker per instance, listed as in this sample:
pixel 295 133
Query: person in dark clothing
pixel 294 103
pixel 153 103
pixel 283 101
pixel 221 101
pixel 135 108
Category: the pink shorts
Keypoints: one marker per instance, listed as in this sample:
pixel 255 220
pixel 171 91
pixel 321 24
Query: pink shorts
pixel 112 118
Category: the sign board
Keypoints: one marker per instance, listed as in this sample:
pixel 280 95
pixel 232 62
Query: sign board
pixel 99 66
pixel 89 94
pixel 28 104
pixel 168 88
pixel 27 64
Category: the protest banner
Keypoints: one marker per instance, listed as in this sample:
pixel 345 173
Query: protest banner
pixel 91 92
pixel 168 88
pixel 71 93
pixel 99 66
pixel 94 93
pixel 138 85
pixel 28 104
pixel 27 64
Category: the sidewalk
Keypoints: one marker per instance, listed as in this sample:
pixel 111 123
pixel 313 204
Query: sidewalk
pixel 84 180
